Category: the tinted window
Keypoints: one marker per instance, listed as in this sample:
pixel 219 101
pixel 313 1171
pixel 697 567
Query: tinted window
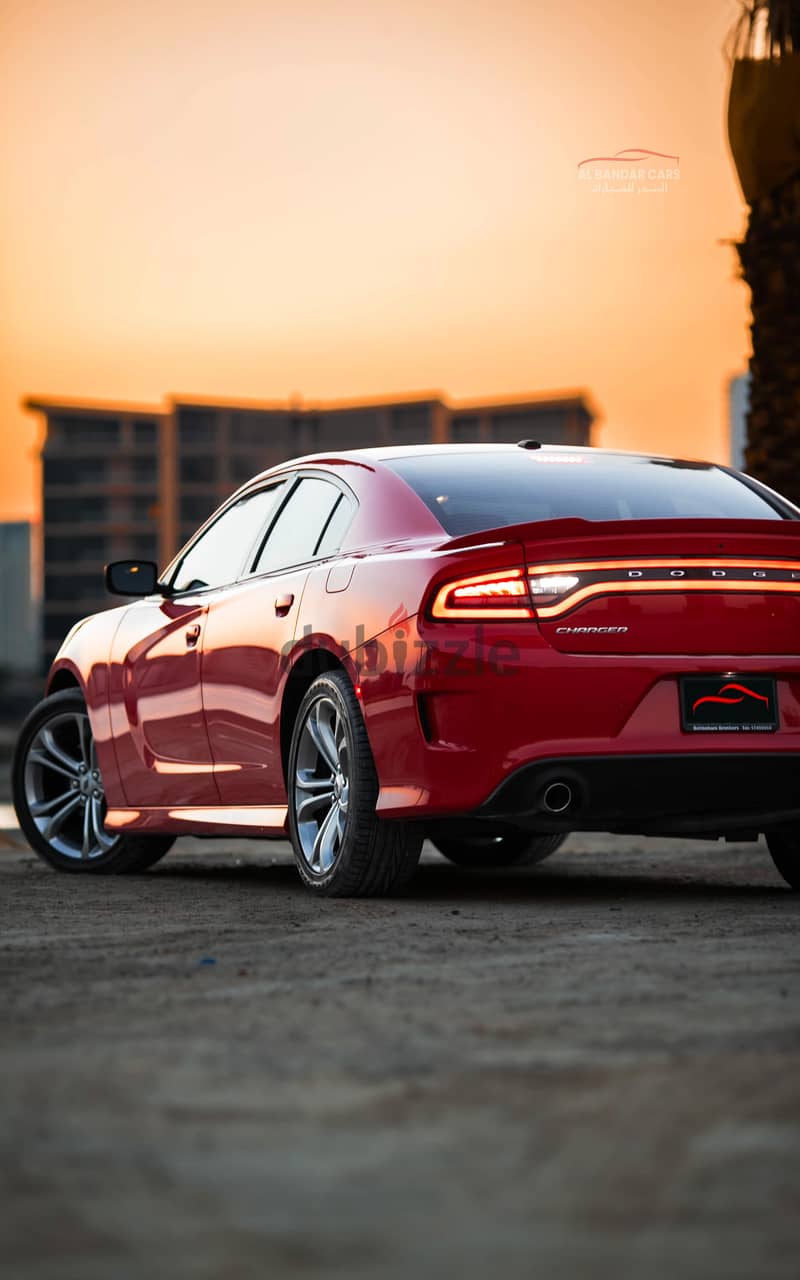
pixel 472 491
pixel 217 557
pixel 299 527
pixel 336 528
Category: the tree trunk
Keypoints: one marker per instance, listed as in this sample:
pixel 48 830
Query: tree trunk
pixel 764 132
pixel 770 258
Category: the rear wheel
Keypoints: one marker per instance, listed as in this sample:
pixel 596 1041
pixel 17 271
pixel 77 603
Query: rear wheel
pixel 341 848
pixel 515 849
pixel 59 795
pixel 785 850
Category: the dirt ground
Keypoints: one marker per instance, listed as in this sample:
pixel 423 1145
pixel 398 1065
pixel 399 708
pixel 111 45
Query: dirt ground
pixel 590 1069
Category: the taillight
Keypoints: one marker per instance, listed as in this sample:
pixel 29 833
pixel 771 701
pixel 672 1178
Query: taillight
pixel 502 594
pixel 550 591
pixel 549 587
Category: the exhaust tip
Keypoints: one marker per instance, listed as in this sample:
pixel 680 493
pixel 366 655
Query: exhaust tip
pixel 557 797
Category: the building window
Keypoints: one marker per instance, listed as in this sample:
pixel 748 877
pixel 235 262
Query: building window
pixel 67 586
pixel 197 427
pixel 198 469
pixel 547 425
pixel 260 429
pixel 465 430
pixel 74 510
pixel 349 429
pixel 71 471
pixel 244 466
pixel 411 424
pixel 195 509
pixel 143 470
pixel 143 545
pixel 71 549
pixel 79 432
pixel 144 507
pixel 145 432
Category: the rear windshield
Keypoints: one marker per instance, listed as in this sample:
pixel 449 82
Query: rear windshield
pixel 468 492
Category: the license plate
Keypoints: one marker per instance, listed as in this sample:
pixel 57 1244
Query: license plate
pixel 729 704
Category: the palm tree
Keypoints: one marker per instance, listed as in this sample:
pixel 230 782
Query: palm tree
pixel 764 132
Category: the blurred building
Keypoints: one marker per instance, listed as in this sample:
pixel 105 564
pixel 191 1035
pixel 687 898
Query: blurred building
pixel 101 474
pixel 128 480
pixel 738 405
pixel 19 640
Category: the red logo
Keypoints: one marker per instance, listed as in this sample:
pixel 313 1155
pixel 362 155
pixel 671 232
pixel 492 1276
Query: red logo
pixel 397 617
pixel 742 689
pixel 631 155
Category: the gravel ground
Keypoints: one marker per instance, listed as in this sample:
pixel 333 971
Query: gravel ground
pixel 590 1069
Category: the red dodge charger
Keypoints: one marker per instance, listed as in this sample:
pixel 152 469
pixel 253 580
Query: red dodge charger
pixel 491 645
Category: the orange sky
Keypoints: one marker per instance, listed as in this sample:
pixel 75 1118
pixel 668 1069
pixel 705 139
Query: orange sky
pixel 356 197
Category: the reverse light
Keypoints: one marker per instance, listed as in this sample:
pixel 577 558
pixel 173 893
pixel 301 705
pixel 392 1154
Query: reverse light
pixel 503 594
pixel 551 585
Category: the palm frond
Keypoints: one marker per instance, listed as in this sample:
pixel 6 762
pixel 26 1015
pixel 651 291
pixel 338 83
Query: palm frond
pixel 766 30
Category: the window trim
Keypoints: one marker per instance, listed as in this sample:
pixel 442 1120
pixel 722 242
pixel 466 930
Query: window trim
pixel 172 570
pixel 305 473
pixel 290 479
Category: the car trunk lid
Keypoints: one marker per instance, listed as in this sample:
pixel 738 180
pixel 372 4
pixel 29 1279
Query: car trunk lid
pixel 682 586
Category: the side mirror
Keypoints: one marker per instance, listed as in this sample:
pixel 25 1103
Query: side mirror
pixel 132 578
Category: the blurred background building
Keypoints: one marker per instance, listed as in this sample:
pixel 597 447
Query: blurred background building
pixel 738 405
pixel 132 480
pixel 19 638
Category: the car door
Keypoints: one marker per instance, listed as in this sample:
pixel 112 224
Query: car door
pixel 248 627
pixel 158 725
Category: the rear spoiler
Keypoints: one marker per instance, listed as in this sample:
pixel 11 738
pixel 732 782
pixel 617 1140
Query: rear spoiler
pixel 702 536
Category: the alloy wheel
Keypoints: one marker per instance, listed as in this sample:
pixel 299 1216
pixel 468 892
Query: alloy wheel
pixel 322 785
pixel 63 788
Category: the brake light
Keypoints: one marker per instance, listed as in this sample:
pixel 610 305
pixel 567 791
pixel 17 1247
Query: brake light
pixel 503 594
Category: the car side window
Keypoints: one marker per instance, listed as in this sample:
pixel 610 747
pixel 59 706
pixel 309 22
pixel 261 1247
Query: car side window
pixel 336 527
pixel 299 529
pixel 216 558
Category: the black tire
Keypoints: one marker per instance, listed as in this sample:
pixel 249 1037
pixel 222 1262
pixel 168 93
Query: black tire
pixel 514 849
pixel 357 854
pixel 37 773
pixel 785 850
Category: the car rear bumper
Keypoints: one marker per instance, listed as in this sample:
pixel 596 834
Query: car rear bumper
pixel 660 794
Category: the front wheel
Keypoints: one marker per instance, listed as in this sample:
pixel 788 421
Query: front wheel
pixel 341 848
pixel 59 796
pixel 515 849
pixel 785 850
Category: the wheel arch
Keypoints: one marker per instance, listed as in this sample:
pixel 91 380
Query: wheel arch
pixel 312 663
pixel 64 677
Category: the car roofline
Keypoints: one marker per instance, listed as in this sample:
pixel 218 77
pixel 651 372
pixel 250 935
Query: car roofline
pixel 378 455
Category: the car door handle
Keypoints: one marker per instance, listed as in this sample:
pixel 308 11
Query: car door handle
pixel 193 635
pixel 283 604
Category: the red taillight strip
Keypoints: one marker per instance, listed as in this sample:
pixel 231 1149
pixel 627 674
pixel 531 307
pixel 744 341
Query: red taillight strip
pixel 442 610
pixel 614 588
pixel 663 562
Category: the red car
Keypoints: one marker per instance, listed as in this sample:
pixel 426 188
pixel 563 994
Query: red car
pixel 491 645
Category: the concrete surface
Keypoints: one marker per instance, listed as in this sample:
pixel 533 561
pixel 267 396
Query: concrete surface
pixel 591 1069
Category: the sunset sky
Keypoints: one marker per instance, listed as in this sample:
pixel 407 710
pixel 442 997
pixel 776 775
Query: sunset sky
pixel 356 197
